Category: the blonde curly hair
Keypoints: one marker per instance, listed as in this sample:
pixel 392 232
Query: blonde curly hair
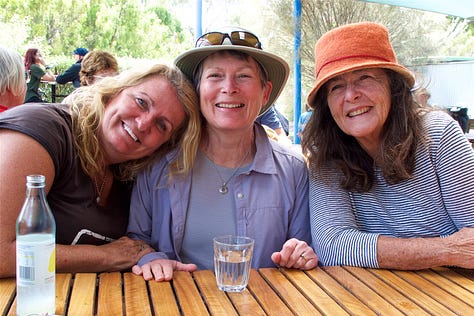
pixel 87 109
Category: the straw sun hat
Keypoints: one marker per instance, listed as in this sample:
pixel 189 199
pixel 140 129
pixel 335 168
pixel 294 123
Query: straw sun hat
pixel 277 68
pixel 352 47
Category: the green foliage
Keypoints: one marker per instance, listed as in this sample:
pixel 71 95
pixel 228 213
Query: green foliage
pixel 125 28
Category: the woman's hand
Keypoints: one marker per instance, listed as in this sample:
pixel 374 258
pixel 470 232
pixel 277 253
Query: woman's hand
pixel 296 254
pixel 461 248
pixel 125 252
pixel 162 269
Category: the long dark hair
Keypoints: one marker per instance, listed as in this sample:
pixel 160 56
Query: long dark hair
pixel 329 147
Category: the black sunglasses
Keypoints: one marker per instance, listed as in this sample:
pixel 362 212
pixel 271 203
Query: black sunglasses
pixel 241 38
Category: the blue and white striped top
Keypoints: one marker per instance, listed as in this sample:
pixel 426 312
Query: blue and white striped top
pixel 436 202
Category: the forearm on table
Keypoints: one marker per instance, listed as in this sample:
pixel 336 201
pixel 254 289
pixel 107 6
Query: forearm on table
pixel 70 259
pixel 412 253
pixel 82 258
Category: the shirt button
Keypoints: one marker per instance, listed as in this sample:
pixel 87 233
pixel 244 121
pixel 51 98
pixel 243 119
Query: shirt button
pixel 240 195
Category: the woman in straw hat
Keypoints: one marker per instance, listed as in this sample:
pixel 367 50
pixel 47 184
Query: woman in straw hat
pixel 242 182
pixel 391 185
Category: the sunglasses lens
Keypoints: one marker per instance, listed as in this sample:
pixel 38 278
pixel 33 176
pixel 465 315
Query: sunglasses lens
pixel 210 39
pixel 240 38
pixel 244 39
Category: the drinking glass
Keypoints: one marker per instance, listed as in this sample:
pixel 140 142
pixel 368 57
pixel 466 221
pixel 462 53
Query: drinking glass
pixel 232 261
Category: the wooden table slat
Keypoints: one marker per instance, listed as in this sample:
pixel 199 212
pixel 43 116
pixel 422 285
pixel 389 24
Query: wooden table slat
pixel 343 297
pixel 217 301
pixel 246 304
pixel 419 297
pixel 63 289
pixel 449 286
pixel 434 290
pixel 314 293
pixel 286 290
pixel 109 298
pixel 386 291
pixel 462 277
pixel 163 299
pixel 366 294
pixel 12 311
pixel 7 294
pixel 267 298
pixel 188 295
pixel 83 294
pixel 136 295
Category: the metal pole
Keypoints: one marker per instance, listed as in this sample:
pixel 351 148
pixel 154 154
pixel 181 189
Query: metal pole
pixel 297 72
pixel 198 19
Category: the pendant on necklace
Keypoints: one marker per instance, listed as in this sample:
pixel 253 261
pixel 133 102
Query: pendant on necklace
pixel 98 200
pixel 224 189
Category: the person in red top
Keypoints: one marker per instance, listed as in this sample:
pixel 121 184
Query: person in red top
pixel 12 79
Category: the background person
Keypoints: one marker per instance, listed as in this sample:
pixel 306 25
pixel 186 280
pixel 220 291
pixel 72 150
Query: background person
pixel 270 118
pixel 242 182
pixel 273 122
pixel 36 71
pixel 72 73
pixel 96 65
pixel 303 120
pixel 422 96
pixel 391 186
pixel 89 153
pixel 12 79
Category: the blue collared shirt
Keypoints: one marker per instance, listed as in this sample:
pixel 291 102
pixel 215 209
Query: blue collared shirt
pixel 271 202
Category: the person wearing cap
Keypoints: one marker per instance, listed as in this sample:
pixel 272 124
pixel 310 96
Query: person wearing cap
pixel 242 183
pixel 72 73
pixel 391 184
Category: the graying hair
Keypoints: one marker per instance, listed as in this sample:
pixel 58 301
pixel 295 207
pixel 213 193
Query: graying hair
pixel 12 71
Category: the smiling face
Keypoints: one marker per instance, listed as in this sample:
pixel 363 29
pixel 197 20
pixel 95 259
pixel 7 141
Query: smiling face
pixel 231 91
pixel 140 119
pixel 360 102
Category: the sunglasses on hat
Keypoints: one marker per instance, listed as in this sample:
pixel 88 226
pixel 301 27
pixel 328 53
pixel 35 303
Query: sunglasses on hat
pixel 241 38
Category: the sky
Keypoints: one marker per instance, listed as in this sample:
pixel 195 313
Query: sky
pixel 244 13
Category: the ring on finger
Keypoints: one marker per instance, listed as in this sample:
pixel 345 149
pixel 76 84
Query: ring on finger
pixel 304 258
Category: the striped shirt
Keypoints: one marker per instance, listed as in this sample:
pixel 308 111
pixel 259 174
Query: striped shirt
pixel 437 202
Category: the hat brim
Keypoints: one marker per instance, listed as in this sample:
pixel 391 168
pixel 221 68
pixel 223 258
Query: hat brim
pixel 276 67
pixel 345 66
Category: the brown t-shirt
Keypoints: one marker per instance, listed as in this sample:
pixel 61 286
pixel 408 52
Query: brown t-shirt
pixel 72 198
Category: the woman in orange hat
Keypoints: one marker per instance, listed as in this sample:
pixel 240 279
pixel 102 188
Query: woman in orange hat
pixel 391 185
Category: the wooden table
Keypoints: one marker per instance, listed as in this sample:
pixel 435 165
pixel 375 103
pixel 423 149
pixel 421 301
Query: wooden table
pixel 322 291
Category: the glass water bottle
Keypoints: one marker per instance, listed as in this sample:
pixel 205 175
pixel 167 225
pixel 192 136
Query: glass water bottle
pixel 35 252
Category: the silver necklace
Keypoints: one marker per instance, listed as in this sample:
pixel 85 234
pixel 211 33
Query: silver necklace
pixel 224 189
pixel 99 191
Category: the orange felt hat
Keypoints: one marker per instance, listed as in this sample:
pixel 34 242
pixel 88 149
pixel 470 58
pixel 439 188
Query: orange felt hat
pixel 352 47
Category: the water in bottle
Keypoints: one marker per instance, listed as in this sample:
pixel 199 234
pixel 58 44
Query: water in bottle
pixel 35 252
